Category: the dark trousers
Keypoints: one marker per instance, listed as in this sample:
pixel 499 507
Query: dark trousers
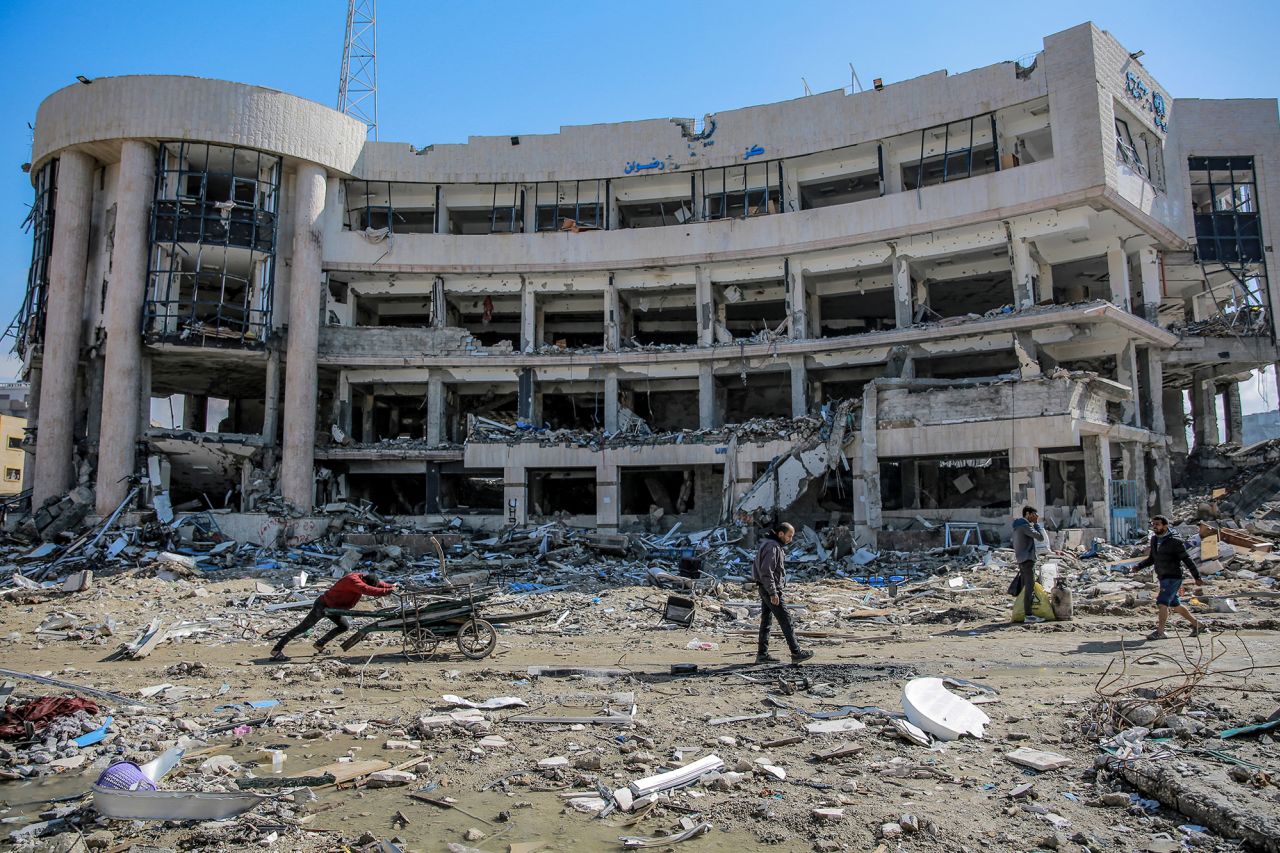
pixel 314 615
pixel 769 612
pixel 1027 569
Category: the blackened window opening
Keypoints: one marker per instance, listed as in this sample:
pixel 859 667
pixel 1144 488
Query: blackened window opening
pixel 736 192
pixel 566 205
pixel 967 149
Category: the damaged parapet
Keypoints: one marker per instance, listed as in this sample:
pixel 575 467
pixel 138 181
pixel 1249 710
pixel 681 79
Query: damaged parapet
pixel 789 477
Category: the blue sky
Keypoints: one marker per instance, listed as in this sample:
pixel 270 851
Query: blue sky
pixel 449 70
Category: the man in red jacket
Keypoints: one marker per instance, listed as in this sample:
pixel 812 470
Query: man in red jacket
pixel 343 595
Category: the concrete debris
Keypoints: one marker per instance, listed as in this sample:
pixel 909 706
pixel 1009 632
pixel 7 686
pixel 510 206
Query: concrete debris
pixel 580 692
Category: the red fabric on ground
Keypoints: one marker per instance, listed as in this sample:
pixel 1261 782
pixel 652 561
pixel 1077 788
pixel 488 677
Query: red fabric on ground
pixel 41 712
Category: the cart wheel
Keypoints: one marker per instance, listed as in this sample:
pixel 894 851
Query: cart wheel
pixel 420 643
pixel 476 639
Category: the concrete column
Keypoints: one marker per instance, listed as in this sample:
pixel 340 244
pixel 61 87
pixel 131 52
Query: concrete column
pixel 54 469
pixel 1163 478
pixel 797 304
pixel 1204 409
pixel 1127 374
pixel 367 435
pixel 342 406
pixel 524 395
pixel 297 479
pixel 704 302
pixel 1026 479
pixel 528 319
pixel 1028 353
pixel 439 305
pixel 117 448
pixel 867 513
pixel 612 317
pixel 904 307
pixel 799 387
pixel 608 494
pixel 515 495
pixel 435 408
pixel 442 209
pixel 1153 393
pixel 1134 458
pixel 1118 274
pixel 1149 272
pixel 1045 273
pixel 708 417
pixel 699 197
pixel 1024 272
pixel 144 396
pixel 1097 479
pixel 611 400
pixel 615 216
pixel 790 190
pixel 1235 414
pixel 1175 419
pixel 271 404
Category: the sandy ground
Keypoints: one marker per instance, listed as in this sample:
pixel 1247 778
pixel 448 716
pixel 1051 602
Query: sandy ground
pixel 959 793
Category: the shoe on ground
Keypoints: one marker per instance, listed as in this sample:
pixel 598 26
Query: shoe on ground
pixel 1032 620
pixel 279 656
pixel 1157 635
pixel 801 656
pixel 767 658
pixel 1199 629
pixel 319 647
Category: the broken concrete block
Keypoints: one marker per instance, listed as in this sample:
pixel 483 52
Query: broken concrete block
pixel 1037 759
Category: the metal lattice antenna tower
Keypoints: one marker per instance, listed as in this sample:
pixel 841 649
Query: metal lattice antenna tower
pixel 358 88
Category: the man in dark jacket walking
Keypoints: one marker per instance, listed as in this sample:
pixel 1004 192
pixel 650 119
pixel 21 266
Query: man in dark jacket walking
pixel 343 595
pixel 1026 533
pixel 1169 555
pixel 770 575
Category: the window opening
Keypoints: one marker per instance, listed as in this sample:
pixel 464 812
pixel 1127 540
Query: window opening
pixel 399 208
pixel 213 244
pixel 1229 243
pixel 737 192
pixel 1126 150
pixel 568 205
pixel 963 153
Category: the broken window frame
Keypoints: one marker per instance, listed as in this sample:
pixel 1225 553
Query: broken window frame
pixel 515 225
pixel 599 209
pixel 724 199
pixel 360 217
pixel 949 153
pixel 173 318
pixel 28 327
pixel 1234 228
pixel 1127 151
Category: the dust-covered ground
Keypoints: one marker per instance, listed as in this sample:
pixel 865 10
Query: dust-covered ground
pixel 1042 686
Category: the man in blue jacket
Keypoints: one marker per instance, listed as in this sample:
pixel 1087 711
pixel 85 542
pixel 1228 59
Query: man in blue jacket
pixel 1169 555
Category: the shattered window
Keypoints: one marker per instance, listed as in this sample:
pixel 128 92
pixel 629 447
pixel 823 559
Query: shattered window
pixel 399 208
pixel 1224 201
pixel 213 245
pixel 569 205
pixel 953 152
pixel 28 326
pixel 736 192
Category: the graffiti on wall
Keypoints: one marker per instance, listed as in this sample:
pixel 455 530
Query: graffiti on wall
pixel 1151 101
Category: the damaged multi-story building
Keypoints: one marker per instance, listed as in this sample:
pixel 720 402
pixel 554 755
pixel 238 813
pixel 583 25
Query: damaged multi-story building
pixel 929 302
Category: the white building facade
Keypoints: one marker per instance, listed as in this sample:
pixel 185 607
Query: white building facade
pixel 994 288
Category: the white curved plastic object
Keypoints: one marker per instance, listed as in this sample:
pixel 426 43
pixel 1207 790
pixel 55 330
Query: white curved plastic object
pixel 932 707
